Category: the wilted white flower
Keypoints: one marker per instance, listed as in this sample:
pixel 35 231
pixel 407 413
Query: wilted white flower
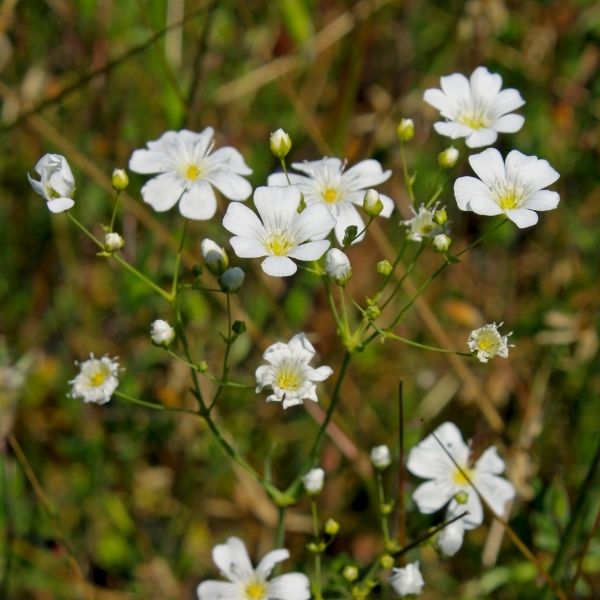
pixel 422 226
pixel 281 233
pixel 450 539
pixel 325 182
pixel 214 256
pixel 487 342
pixel 96 381
pixel 475 108
pixel 188 170
pixel 313 481
pixel 113 241
pixel 281 143
pixel 514 188
pixel 288 374
pixel 407 580
pixel 443 458
pixel 161 333
pixel 381 457
pixel 231 280
pixel 247 583
pixel 337 266
pixel 57 184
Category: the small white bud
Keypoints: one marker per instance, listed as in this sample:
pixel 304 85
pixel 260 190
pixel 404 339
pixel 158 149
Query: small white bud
pixel 231 280
pixel 372 204
pixel 407 580
pixel 313 481
pixel 119 179
pixel 405 130
pixel 441 243
pixel 337 266
pixel 215 257
pixel 281 143
pixel 448 158
pixel 113 242
pixel 381 457
pixel 161 333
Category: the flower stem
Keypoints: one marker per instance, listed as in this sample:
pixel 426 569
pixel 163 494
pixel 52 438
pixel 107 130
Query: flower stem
pixel 407 179
pixel 282 160
pixel 115 209
pixel 393 336
pixel 382 513
pixel 178 260
pixel 228 343
pixel 406 273
pixel 152 405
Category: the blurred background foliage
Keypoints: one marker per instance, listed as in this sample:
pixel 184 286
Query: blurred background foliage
pixel 133 502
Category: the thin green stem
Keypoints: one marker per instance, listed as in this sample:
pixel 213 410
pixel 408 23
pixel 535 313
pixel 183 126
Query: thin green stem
pixel 178 260
pixel 407 179
pixel 382 512
pixel 283 166
pixel 228 343
pixel 7 562
pixel 280 531
pixel 316 530
pixel 152 405
pixel 398 338
pixel 407 272
pixel 401 467
pixel 115 209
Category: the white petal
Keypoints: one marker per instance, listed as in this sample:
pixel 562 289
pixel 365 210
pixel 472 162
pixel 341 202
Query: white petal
pixel 232 560
pixel 496 491
pixel 388 206
pixel 277 206
pixel 310 250
pixel 438 100
pixel 150 161
pixel 450 539
pixel 539 175
pixel 457 89
pixel 542 200
pixel 313 223
pixel 508 123
pixel 506 101
pixel 266 565
pixel 348 215
pixel 36 185
pixel 163 192
pixel 218 590
pixel 321 374
pixel 316 167
pixel 483 205
pixel 291 586
pixel 242 221
pixel 473 506
pixel 518 166
pixel 279 266
pixel 199 202
pixel 489 166
pixel 482 137
pixel 467 188
pixel 484 86
pixel 365 174
pixel 522 217
pixel 432 495
pixel 231 158
pixel 247 247
pixel 490 462
pixel 452 130
pixel 278 179
pixel 232 186
pixel 58 205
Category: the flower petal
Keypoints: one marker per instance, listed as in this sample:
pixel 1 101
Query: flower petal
pixel 542 200
pixel 247 247
pixel 490 462
pixel 506 101
pixel 57 205
pixel 522 217
pixel 496 491
pixel 473 507
pixel 231 159
pixel 310 250
pixel 277 206
pixel 348 215
pixel 452 130
pixel 467 188
pixel 313 223
pixel 199 202
pixel 321 374
pixel 483 205
pixel 266 565
pixel 147 162
pixel 279 266
pixel 439 100
pixel 163 192
pixel 218 590
pixel 482 137
pixel 291 586
pixel 457 89
pixel 242 221
pixel 432 495
pixel 489 166
pixel 484 86
pixel 365 174
pixel 232 560
pixel 508 123
pixel 232 186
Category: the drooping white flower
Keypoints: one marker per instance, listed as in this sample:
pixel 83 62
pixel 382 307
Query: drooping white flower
pixel 96 381
pixel 443 458
pixel 57 184
pixel 514 187
pixel 187 172
pixel 313 481
pixel 281 233
pixel 450 539
pixel 246 582
pixel 475 108
pixel 326 182
pixel 337 266
pixel 422 226
pixel 381 457
pixel 288 373
pixel 407 580
pixel 487 342
pixel 161 333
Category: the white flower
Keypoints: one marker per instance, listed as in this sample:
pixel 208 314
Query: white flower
pixel 381 457
pixel 247 583
pixel 449 482
pixel 214 256
pixel 337 266
pixel 57 184
pixel 487 342
pixel 422 226
pixel 281 233
pixel 313 481
pixel 187 169
pixel 450 539
pixel 161 333
pixel 288 374
pixel 408 580
pixel 97 380
pixel 326 183
pixel 475 108
pixel 515 187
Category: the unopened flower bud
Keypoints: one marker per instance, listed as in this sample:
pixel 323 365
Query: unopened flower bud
pixel 372 204
pixel 202 366
pixel 350 573
pixel 231 280
pixel 448 158
pixel 313 481
pixel 215 257
pixel 387 561
pixel 405 130
pixel 441 243
pixel 461 497
pixel 119 180
pixel 381 457
pixel 331 527
pixel 372 312
pixel 337 266
pixel 161 333
pixel 281 143
pixel 384 267
pixel 113 242
pixel 440 216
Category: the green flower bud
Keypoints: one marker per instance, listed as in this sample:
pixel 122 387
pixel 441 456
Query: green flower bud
pixel 238 327
pixel 113 242
pixel 440 216
pixel 331 527
pixel 387 561
pixel 384 267
pixel 461 497
pixel 350 573
pixel 448 158
pixel 372 204
pixel 405 130
pixel 119 180
pixel 281 143
pixel 441 243
pixel 372 312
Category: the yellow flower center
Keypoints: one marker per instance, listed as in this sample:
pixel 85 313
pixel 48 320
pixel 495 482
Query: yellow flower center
pixel 288 379
pixel 256 590
pixel 98 378
pixel 192 172
pixel 473 120
pixel 330 195
pixel 487 342
pixel 278 244
pixel 460 476
pixel 508 199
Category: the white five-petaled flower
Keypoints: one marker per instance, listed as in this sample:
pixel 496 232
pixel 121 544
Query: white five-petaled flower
pixel 96 381
pixel 288 373
pixel 187 171
pixel 281 233
pixel 514 187
pixel 326 182
pixel 443 458
pixel 487 342
pixel 57 184
pixel 407 580
pixel 422 226
pixel 246 582
pixel 475 108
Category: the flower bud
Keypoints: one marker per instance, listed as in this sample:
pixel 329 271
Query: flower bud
pixel 161 333
pixel 405 130
pixel 313 481
pixel 381 457
pixel 372 312
pixel 337 266
pixel 441 243
pixel 448 158
pixel 461 497
pixel 215 257
pixel 384 267
pixel 113 242
pixel 281 143
pixel 440 216
pixel 119 180
pixel 372 204
pixel 350 573
pixel 231 280
pixel 387 561
pixel 331 527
